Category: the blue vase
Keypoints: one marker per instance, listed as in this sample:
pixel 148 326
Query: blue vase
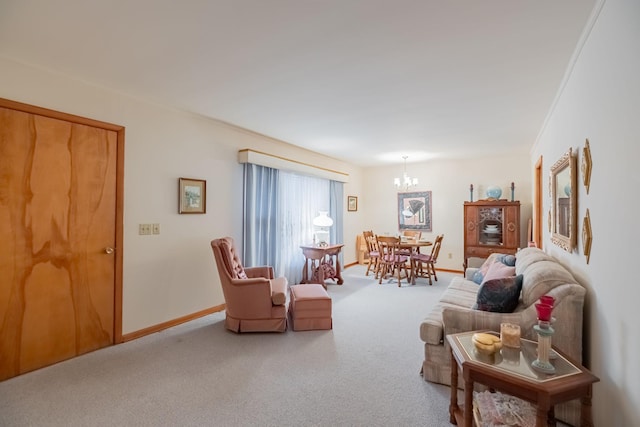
pixel 494 192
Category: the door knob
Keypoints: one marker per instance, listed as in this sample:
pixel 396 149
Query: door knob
pixel 109 250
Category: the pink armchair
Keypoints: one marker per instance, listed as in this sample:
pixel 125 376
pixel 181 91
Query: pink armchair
pixel 255 300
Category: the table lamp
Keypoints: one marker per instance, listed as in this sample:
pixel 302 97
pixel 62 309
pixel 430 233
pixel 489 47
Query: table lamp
pixel 322 222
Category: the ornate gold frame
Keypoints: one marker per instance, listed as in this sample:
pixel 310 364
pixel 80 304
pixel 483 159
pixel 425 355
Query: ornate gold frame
pixel 586 236
pixel 586 165
pixel 562 218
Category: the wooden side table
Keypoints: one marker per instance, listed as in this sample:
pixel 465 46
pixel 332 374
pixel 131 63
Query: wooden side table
pixel 511 373
pixel 315 259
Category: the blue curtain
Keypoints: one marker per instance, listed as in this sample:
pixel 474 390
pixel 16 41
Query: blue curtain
pixel 260 204
pixel 336 208
pixel 279 208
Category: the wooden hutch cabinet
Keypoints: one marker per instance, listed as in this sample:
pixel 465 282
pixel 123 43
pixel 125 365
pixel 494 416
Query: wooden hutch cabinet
pixel 490 226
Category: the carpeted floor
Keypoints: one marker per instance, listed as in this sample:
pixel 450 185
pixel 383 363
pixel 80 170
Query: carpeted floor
pixel 364 372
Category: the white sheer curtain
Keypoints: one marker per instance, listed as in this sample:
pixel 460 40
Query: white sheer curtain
pixel 300 198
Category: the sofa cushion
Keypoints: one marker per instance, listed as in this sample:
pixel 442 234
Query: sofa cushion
pixel 499 295
pixel 529 256
pixel 460 293
pixel 498 270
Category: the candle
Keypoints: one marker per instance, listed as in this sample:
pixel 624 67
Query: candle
pixel 544 312
pixel 547 299
pixel 510 335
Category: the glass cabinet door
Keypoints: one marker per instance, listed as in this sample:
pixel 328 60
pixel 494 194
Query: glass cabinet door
pixel 490 226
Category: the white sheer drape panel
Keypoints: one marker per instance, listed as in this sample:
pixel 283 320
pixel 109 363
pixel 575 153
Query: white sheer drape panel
pixel 300 198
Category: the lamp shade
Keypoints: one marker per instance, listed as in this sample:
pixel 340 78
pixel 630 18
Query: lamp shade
pixel 323 220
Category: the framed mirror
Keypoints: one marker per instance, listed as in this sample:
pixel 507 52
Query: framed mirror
pixel 562 184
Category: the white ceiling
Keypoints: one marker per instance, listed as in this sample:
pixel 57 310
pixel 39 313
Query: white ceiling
pixel 365 81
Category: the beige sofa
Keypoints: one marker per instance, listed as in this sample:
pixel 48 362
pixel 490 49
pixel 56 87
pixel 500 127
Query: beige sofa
pixel 542 275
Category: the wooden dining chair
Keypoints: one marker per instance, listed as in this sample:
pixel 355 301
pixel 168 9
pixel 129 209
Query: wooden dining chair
pixel 391 262
pixel 412 234
pixel 423 265
pixel 409 234
pixel 373 252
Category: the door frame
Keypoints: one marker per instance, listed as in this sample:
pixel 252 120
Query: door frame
pixel 537 204
pixel 119 238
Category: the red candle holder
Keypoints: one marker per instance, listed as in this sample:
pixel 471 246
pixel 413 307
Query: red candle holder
pixel 548 299
pixel 544 312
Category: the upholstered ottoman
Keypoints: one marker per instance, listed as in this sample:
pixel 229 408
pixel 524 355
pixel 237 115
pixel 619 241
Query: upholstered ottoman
pixel 309 307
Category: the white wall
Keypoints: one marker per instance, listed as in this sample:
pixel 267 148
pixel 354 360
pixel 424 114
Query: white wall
pixel 448 181
pixel 170 275
pixel 601 102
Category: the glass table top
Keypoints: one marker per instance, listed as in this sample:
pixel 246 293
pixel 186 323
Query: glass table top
pixel 518 361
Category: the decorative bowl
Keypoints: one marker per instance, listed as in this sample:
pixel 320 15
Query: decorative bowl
pixel 494 192
pixel 486 343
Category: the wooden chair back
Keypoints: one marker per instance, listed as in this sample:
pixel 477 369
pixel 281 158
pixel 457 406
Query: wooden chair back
pixel 412 234
pixel 435 251
pixel 391 259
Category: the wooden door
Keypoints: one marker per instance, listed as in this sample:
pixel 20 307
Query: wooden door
pixel 60 222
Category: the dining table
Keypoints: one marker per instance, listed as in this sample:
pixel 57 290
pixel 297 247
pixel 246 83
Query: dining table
pixel 413 245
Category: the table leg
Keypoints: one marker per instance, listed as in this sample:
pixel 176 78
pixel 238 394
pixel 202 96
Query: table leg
pixel 413 268
pixel 339 271
pixel 585 409
pixel 305 271
pixel 468 403
pixel 541 416
pixel 551 417
pixel 453 403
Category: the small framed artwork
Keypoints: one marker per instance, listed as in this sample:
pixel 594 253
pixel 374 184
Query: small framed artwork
pixel 352 203
pixel 192 196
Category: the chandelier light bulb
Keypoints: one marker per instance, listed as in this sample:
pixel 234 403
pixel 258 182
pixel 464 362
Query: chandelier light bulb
pixel 406 181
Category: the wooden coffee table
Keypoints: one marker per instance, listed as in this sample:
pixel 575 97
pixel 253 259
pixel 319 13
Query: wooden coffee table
pixel 510 371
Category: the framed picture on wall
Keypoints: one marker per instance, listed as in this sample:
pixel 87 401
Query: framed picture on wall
pixel 192 196
pixel 414 211
pixel 352 203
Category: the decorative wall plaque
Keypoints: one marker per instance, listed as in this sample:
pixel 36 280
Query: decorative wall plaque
pixel 586 165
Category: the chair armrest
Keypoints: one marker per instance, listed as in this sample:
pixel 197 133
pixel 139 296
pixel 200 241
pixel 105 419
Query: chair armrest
pixel 279 291
pixel 248 298
pixel 259 271
pixel 252 281
pixel 469 272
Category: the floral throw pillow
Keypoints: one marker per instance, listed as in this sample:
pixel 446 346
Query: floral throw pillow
pixel 498 270
pixel 499 295
pixel 504 259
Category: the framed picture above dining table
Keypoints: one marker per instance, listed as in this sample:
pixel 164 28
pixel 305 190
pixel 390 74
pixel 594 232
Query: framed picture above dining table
pixel 414 211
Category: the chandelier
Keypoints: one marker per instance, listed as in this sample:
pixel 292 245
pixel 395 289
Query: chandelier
pixel 406 181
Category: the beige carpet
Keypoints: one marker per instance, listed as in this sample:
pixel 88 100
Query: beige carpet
pixel 364 372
